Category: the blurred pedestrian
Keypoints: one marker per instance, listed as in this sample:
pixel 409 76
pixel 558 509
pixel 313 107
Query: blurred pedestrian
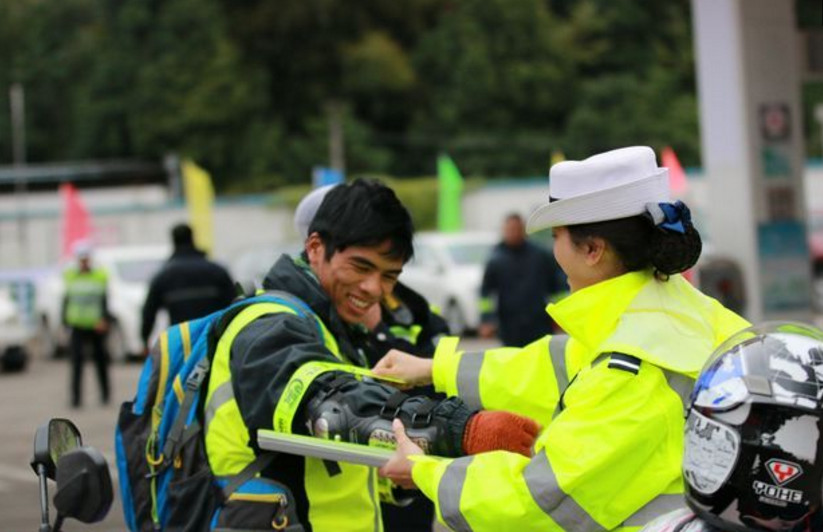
pixel 519 280
pixel 85 313
pixel 188 286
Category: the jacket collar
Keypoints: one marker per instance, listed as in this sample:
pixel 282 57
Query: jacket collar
pixel 591 314
pixel 295 276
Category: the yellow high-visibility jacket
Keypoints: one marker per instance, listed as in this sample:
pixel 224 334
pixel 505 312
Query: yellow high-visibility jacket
pixel 610 397
pixel 85 297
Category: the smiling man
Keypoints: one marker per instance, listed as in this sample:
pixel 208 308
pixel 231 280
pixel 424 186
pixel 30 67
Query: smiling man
pixel 296 367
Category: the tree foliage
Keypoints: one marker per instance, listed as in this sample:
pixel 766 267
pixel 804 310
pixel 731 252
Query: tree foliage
pixel 245 86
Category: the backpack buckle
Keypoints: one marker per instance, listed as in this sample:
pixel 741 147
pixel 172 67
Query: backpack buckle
pixel 196 378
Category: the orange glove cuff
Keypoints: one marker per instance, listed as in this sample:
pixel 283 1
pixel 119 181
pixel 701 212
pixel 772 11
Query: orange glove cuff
pixel 499 431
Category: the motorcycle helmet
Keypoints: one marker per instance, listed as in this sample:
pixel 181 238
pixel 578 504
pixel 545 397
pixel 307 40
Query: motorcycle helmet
pixel 753 450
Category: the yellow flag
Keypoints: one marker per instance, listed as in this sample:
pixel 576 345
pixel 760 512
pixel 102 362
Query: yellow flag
pixel 199 195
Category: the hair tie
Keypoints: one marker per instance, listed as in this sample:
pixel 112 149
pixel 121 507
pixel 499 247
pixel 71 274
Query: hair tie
pixel 670 216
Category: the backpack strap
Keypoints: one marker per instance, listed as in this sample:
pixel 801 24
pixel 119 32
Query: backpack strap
pixel 178 429
pixel 250 471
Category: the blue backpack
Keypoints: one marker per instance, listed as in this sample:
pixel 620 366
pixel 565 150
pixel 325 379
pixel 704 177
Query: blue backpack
pixel 165 479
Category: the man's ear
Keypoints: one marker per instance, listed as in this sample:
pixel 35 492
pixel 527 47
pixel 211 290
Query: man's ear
pixel 315 249
pixel 595 250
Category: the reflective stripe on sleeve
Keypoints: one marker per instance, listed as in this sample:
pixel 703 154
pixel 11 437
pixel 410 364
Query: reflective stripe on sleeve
pixel 660 505
pixel 557 353
pixel 222 395
pixel 374 500
pixel 546 492
pixel 449 491
pixel 468 379
pixel 299 383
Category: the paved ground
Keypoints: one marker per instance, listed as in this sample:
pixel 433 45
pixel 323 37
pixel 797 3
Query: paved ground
pixel 29 399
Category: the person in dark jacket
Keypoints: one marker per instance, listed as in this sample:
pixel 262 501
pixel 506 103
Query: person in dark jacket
pixel 518 281
pixel 402 320
pixel 300 371
pixel 188 286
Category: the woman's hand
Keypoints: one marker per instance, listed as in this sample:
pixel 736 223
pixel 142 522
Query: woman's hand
pixel 415 371
pixel 399 468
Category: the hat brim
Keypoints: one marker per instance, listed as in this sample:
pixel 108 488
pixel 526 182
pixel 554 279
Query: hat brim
pixel 613 203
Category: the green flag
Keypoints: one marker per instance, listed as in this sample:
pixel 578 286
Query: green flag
pixel 450 188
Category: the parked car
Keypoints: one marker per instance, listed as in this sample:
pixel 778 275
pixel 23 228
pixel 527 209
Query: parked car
pixel 16 333
pixel 130 269
pixel 447 269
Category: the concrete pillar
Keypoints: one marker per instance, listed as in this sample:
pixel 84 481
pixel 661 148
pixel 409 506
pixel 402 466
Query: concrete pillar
pixel 749 97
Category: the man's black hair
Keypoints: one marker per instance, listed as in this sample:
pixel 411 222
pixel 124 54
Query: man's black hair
pixel 182 236
pixel 364 213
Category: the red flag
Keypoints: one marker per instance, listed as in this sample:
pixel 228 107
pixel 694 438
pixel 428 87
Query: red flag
pixel 677 177
pixel 76 221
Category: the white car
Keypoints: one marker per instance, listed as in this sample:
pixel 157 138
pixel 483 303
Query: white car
pixel 16 333
pixel 447 269
pixel 130 269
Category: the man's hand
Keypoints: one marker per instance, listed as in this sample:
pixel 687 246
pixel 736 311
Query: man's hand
pixel 101 326
pixel 399 468
pixel 414 370
pixel 491 430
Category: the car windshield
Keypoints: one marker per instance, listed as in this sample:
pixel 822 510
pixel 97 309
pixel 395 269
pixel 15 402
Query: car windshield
pixel 138 270
pixel 472 253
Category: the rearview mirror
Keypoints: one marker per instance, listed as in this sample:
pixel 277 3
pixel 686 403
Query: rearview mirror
pixel 51 441
pixel 84 489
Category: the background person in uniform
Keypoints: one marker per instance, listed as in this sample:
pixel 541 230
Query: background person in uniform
pixel 403 320
pixel 754 459
pixel 85 313
pixel 188 286
pixel 610 394
pixel 519 279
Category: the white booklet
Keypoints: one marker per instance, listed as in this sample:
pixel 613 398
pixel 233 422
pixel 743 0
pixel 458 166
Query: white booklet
pixel 354 453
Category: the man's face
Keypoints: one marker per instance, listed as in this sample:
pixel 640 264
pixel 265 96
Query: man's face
pixel 356 278
pixel 514 234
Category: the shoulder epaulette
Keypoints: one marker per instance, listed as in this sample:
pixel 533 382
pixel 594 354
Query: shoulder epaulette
pixel 624 362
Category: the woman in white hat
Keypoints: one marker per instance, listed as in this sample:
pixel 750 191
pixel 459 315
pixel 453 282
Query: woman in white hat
pixel 610 395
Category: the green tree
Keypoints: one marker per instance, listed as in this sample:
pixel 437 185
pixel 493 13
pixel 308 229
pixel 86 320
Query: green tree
pixel 497 83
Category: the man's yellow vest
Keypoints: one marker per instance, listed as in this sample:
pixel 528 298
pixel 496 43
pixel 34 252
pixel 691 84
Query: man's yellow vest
pixel 85 294
pixel 610 453
pixel 347 501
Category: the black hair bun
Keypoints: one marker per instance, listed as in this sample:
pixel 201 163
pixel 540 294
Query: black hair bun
pixel 673 252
